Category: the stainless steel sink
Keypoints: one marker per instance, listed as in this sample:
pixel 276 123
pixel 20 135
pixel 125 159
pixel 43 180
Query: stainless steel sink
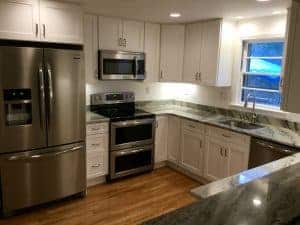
pixel 241 124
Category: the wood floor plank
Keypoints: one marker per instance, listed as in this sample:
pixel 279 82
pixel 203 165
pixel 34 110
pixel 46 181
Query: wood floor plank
pixel 126 202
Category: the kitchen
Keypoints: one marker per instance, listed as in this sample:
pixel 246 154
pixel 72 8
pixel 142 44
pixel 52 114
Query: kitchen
pixel 119 114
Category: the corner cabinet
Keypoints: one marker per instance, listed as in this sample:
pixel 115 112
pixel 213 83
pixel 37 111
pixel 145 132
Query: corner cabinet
pixel 192 146
pixel 34 20
pixel 161 144
pixel 118 34
pixel 19 20
pixel 173 138
pixel 61 22
pixel 209 53
pixel 171 53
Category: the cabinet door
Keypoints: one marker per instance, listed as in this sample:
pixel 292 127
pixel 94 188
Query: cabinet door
pixel 216 163
pixel 192 52
pixel 192 151
pixel 161 150
pixel 210 52
pixel 172 50
pixel 174 139
pixel 110 32
pixel 133 32
pixel 238 158
pixel 91 48
pixel 152 48
pixel 19 19
pixel 61 22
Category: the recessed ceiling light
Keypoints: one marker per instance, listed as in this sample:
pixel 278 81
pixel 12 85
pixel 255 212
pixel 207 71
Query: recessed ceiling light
pixel 263 0
pixel 175 15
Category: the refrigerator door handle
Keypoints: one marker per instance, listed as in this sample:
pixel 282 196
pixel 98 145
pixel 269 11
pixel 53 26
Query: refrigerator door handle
pixel 45 155
pixel 50 88
pixel 41 96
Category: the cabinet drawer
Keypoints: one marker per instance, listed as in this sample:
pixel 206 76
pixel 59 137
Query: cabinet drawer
pixel 193 126
pixel 227 135
pixel 97 142
pixel 97 128
pixel 97 163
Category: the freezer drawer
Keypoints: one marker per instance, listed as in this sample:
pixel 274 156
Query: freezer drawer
pixel 37 177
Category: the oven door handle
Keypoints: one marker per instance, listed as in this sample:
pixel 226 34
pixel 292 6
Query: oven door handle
pixel 130 152
pixel 132 123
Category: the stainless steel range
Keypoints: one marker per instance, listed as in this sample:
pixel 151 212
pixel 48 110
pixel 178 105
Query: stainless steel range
pixel 132 133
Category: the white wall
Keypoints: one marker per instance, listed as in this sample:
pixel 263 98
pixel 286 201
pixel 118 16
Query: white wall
pixel 159 91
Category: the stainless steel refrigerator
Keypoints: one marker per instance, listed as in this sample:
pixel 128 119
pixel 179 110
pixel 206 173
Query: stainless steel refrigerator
pixel 42 125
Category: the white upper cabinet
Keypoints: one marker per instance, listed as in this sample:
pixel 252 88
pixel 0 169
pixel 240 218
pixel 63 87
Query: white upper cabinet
pixel 19 19
pixel 91 48
pixel 110 33
pixel 118 34
pixel 152 50
pixel 35 20
pixel 192 53
pixel 209 53
pixel 172 51
pixel 61 22
pixel 133 33
pixel 291 90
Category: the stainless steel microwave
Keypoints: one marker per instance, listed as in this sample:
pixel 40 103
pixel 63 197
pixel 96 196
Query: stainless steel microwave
pixel 121 65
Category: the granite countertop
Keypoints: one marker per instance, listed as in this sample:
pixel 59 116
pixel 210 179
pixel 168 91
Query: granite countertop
pixel 268 132
pixel 95 118
pixel 267 195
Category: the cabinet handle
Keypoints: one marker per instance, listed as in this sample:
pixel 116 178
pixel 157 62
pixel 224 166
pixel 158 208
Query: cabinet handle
pixel 44 30
pixel 196 76
pixel 36 29
pixel 192 126
pixel 201 145
pixel 221 152
pixel 227 136
pixel 161 74
pixel 226 153
pixel 125 42
pixel 96 165
pixel 199 76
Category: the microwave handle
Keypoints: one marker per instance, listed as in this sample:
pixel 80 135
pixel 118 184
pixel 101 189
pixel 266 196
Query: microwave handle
pixel 136 65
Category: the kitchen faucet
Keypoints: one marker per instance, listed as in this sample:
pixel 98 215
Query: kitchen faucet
pixel 254 115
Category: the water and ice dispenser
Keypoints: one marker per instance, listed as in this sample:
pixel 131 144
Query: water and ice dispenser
pixel 18 107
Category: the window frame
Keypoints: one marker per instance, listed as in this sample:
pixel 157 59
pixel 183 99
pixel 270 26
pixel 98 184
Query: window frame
pixel 244 64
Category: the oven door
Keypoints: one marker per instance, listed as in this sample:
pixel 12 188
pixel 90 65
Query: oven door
pixel 132 133
pixel 117 65
pixel 131 161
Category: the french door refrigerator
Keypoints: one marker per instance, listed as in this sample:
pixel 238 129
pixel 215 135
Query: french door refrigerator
pixel 42 125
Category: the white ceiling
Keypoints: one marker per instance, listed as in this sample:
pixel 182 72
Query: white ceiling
pixel 191 10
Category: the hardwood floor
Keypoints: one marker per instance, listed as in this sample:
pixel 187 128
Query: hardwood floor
pixel 128 201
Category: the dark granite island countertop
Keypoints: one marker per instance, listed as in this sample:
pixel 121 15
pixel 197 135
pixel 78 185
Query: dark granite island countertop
pixel 272 199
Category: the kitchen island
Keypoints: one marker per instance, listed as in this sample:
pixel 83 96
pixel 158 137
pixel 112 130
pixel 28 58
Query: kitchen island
pixel 265 195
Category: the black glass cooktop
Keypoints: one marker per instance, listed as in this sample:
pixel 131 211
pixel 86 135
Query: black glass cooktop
pixel 120 111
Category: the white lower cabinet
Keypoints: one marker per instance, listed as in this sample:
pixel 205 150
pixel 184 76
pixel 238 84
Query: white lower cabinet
pixel 205 151
pixel 216 163
pixel 192 148
pixel 161 147
pixel 174 139
pixel 226 153
pixel 97 150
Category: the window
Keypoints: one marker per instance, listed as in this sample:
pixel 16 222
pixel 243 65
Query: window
pixel 261 71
